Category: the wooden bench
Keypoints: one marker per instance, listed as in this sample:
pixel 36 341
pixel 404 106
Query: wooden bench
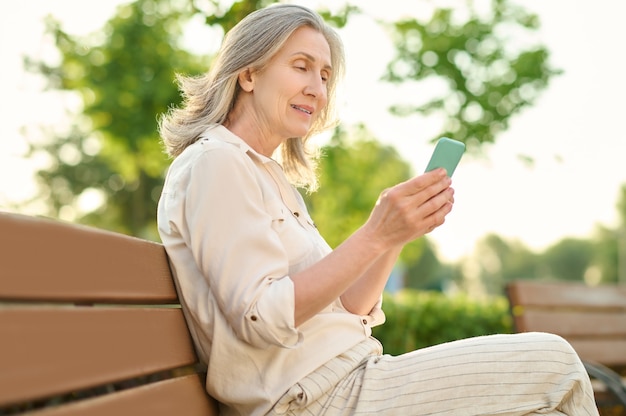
pixel 90 325
pixel 592 319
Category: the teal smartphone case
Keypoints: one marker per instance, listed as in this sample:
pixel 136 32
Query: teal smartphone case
pixel 447 155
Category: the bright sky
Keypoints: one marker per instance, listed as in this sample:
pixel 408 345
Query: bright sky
pixel 574 132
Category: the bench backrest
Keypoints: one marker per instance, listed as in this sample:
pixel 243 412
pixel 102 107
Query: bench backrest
pixel 85 312
pixel 592 319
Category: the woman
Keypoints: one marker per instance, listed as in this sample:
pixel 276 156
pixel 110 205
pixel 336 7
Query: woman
pixel 284 322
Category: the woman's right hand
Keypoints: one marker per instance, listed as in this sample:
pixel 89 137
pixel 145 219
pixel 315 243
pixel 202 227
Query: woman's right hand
pixel 358 269
pixel 411 209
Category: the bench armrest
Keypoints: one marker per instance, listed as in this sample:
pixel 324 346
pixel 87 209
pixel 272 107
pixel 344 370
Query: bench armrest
pixel 610 378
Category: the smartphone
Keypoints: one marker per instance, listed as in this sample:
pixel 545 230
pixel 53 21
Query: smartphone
pixel 447 155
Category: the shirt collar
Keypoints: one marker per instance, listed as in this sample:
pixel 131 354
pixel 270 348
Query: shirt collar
pixel 218 131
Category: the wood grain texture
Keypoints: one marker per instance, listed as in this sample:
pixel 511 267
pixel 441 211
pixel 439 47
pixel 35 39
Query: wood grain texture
pixel 43 259
pixel 48 351
pixel 592 319
pixel 180 396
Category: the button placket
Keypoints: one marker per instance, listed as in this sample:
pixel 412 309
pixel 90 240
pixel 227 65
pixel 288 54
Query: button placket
pixel 286 193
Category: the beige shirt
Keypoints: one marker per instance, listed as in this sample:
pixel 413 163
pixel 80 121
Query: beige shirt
pixel 234 230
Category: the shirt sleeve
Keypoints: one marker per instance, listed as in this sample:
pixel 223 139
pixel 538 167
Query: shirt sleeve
pixel 236 249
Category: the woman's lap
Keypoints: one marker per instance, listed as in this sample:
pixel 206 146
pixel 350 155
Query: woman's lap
pixel 533 373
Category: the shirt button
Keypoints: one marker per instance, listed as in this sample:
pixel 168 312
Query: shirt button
pixel 253 317
pixel 364 321
pixel 297 214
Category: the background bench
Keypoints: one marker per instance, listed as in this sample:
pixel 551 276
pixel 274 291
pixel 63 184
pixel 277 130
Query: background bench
pixel 592 319
pixel 90 324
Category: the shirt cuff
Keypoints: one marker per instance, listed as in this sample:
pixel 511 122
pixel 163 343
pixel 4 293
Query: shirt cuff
pixel 270 320
pixel 376 315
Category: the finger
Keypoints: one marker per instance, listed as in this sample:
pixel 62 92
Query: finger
pixel 436 202
pixel 418 183
pixel 438 217
pixel 432 191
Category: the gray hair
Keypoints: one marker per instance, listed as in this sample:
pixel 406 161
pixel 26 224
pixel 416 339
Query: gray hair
pixel 252 43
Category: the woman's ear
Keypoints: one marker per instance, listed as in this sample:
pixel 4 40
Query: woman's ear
pixel 246 80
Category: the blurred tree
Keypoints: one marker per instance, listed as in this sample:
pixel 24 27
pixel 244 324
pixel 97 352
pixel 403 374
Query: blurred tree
pixel 606 255
pixel 497 261
pixel 593 260
pixel 568 259
pixel 621 206
pixel 477 62
pixel 110 156
pixel 427 272
pixel 124 75
pixel 354 169
pixel 227 14
pixel 610 247
pixel 621 236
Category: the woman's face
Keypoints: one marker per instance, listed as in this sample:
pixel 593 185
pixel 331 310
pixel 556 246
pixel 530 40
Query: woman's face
pixel 288 94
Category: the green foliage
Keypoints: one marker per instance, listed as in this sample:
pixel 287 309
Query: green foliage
pixel 354 169
pixel 488 77
pixel 594 260
pixel 340 18
pixel 621 205
pixel 569 259
pixel 418 319
pixel 228 16
pixel 124 75
pixel 608 246
pixel 599 259
pixel 217 14
pixel 426 272
pixel 498 261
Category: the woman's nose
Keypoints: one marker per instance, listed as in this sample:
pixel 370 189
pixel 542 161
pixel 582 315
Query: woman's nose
pixel 316 88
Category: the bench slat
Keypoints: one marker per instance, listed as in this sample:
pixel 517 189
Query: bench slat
pixel 573 323
pixel 50 260
pixel 567 294
pixel 592 319
pixel 609 352
pixel 180 396
pixel 53 350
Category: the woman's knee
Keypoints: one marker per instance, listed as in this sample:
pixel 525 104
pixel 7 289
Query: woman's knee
pixel 554 347
pixel 554 340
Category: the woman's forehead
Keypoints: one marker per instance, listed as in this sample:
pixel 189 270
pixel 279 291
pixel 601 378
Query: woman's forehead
pixel 310 43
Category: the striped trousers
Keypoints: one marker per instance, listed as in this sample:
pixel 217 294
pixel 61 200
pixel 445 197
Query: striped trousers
pixel 519 374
